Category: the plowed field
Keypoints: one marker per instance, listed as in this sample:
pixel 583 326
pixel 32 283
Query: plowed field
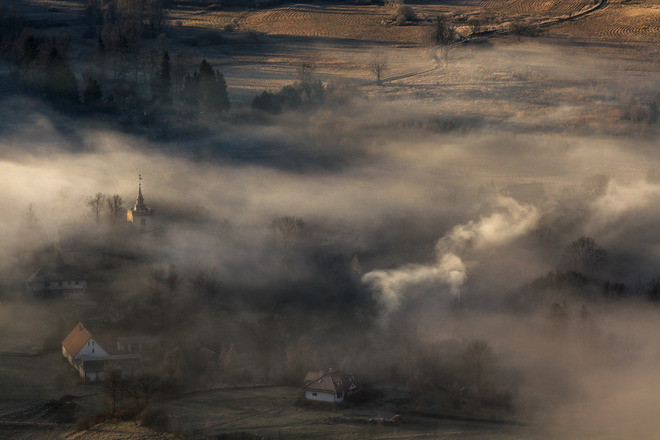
pixel 619 22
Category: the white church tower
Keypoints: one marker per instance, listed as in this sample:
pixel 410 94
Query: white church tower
pixel 140 215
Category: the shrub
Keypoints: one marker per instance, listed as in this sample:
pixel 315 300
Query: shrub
pixel 475 24
pixel 267 102
pixel 290 97
pixel 89 421
pixel 522 29
pixel 633 110
pixel 154 417
pixel 407 12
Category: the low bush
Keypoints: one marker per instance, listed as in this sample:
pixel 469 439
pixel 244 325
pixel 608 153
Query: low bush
pixel 290 97
pixel 407 12
pixel 154 417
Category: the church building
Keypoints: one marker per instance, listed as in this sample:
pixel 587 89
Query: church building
pixel 140 215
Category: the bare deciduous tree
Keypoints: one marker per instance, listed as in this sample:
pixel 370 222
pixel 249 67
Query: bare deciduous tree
pixel 378 65
pixel 164 290
pixel 288 228
pixel 144 386
pixel 174 366
pixel 30 220
pixel 442 34
pixel 475 24
pixel 476 357
pixel 206 283
pixel 180 66
pixel 114 385
pixel 584 255
pixel 653 288
pixel 228 362
pixel 306 67
pixel 96 203
pixel 116 207
pixel 155 12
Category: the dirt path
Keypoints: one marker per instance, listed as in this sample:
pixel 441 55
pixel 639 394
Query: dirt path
pixel 504 28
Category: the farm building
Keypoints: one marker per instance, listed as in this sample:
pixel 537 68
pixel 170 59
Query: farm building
pixel 333 386
pixel 83 351
pixel 137 344
pixel 58 278
pixel 80 344
pixel 91 370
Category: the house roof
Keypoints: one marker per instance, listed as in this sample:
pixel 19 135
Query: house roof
pixel 81 334
pixel 312 376
pixel 331 382
pixel 76 339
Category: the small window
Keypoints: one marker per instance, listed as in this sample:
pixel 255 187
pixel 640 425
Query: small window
pixel 92 350
pixel 314 394
pixel 88 343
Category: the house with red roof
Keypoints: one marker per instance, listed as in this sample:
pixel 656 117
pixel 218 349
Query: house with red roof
pixel 89 354
pixel 80 344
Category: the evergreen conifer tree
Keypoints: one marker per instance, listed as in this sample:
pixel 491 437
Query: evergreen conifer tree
pixel 161 84
pixel 212 88
pixel 92 91
pixel 60 83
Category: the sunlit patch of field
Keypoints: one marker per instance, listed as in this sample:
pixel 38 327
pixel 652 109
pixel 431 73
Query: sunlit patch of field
pixel 619 22
pixel 325 22
pixel 534 8
pixel 342 39
pixel 45 9
pixel 367 23
pixel 332 21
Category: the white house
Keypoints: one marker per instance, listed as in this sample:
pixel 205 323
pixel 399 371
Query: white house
pixel 89 358
pixel 333 386
pixel 58 278
pixel 80 344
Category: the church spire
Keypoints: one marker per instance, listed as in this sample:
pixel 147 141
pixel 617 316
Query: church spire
pixel 140 213
pixel 140 199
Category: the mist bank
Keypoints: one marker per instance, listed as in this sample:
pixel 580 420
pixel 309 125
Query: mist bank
pixel 373 238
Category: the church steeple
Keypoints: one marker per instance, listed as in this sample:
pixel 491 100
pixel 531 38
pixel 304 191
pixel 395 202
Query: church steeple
pixel 140 199
pixel 140 215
